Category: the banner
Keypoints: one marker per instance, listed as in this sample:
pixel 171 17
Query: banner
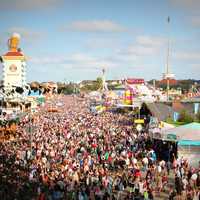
pixel 196 108
pixel 176 116
pixel 139 121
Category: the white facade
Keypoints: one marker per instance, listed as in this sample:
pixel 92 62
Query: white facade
pixel 1 71
pixel 14 73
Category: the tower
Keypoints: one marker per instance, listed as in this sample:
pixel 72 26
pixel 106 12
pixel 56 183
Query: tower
pixel 104 84
pixel 14 65
pixel 167 74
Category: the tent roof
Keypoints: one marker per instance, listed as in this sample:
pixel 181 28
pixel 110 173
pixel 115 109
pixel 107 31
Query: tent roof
pixel 160 110
pixel 35 93
pixel 188 143
pixel 189 132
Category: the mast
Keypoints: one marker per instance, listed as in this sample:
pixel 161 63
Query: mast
pixel 167 64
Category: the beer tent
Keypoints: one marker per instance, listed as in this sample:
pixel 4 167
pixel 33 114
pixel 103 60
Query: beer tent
pixel 188 140
pixel 187 132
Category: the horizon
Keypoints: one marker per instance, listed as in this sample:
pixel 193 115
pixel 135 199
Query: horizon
pixel 73 40
pixel 95 78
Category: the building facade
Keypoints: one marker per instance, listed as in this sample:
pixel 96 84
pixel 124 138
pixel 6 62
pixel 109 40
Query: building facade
pixel 13 65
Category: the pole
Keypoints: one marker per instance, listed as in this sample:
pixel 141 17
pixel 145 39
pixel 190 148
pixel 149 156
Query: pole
pixel 167 70
pixel 167 89
pixel 154 83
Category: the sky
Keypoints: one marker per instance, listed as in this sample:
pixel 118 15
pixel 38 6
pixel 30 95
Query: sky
pixel 73 40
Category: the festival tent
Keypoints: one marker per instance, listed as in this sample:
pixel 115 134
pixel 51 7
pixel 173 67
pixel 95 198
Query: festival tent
pixel 187 138
pixel 188 132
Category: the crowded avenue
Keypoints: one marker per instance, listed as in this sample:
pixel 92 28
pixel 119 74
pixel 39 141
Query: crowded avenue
pixel 76 154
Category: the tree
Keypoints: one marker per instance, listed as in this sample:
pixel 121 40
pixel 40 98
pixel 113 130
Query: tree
pixel 99 83
pixel 198 116
pixel 69 89
pixel 185 117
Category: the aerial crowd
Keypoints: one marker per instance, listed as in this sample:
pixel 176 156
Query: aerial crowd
pixel 75 154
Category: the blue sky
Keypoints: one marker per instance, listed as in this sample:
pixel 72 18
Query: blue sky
pixel 75 39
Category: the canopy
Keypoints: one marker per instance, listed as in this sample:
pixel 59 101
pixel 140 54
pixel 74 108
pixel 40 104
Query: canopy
pixel 95 94
pixel 35 93
pixel 156 132
pixel 188 132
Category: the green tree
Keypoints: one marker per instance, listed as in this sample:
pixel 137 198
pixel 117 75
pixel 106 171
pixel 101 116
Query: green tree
pixel 198 116
pixel 99 83
pixel 185 117
pixel 68 89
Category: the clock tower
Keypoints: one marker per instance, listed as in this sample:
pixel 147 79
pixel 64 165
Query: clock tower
pixel 14 65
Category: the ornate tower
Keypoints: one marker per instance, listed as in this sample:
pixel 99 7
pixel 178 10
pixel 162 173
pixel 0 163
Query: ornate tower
pixel 14 65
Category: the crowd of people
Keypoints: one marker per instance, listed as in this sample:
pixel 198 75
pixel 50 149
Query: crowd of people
pixel 75 154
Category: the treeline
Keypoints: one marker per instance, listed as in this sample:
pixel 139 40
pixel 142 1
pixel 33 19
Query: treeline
pixel 184 85
pixel 185 117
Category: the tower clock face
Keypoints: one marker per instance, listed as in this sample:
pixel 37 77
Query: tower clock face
pixel 13 68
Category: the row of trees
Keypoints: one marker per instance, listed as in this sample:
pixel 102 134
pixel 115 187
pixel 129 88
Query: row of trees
pixel 186 117
pixel 70 88
pixel 185 85
pixel 93 85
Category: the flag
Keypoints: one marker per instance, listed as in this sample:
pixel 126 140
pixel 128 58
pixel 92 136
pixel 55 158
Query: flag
pixel 196 108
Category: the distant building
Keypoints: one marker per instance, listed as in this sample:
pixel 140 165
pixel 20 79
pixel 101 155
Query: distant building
pixel 172 82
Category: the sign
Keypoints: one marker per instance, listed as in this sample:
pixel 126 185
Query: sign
pixel 171 137
pixel 13 68
pixel 139 121
pixel 135 81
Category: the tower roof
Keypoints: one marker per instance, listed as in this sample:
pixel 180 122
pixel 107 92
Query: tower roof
pixel 14 55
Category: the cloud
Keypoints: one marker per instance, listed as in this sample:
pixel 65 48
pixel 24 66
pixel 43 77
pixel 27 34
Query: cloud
pixel 150 41
pixel 145 46
pixel 28 4
pixel 190 9
pixel 102 43
pixel 100 26
pixel 192 56
pixel 195 21
pixel 26 33
pixel 75 61
pixel 189 5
